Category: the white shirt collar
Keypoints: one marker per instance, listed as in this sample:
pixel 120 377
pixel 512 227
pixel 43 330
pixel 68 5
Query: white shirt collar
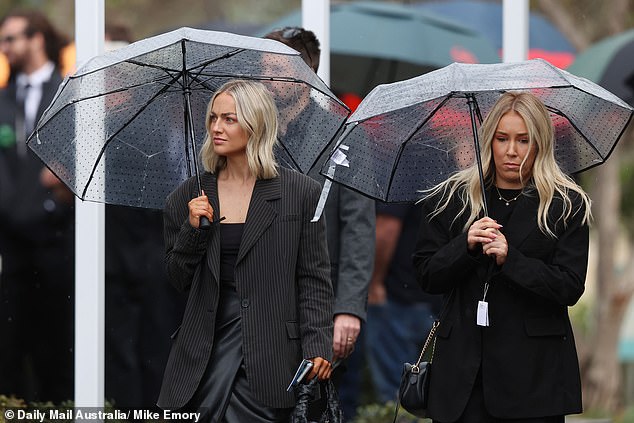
pixel 37 78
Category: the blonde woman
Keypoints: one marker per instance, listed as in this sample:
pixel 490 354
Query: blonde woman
pixel 505 350
pixel 260 296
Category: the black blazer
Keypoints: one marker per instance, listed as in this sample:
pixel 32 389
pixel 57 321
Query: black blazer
pixel 28 211
pixel 527 355
pixel 282 276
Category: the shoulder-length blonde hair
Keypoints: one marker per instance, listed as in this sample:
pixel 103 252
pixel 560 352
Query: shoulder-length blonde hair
pixel 546 176
pixel 257 115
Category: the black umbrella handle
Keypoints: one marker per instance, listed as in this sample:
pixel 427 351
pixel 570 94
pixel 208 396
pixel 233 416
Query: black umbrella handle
pixel 204 223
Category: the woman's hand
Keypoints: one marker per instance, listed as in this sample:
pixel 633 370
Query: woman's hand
pixel 199 207
pixel 482 232
pixel 497 248
pixel 321 368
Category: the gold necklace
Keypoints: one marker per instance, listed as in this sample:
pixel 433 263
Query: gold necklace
pixel 506 200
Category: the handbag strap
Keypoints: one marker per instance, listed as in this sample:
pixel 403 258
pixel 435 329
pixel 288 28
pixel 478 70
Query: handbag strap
pixel 431 337
pixel 432 332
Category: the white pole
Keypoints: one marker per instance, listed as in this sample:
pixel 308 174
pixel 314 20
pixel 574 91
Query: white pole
pixel 316 17
pixel 89 244
pixel 515 30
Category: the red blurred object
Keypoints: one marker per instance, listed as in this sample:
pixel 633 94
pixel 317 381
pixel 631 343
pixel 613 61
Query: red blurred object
pixel 351 100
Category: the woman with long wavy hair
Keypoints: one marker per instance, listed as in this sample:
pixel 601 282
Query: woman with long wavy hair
pixel 505 349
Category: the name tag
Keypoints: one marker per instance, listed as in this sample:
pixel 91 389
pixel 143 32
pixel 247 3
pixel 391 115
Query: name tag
pixel 482 318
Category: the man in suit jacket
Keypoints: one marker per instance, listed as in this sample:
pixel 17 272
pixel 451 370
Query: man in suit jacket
pixel 350 221
pixel 36 223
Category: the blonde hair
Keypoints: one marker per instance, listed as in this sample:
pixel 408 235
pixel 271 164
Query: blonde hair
pixel 257 115
pixel 546 176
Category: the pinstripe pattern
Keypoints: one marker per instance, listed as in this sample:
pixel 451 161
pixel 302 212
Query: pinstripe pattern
pixel 282 277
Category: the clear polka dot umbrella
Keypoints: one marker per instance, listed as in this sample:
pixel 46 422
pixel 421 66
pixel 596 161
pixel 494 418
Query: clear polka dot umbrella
pixel 408 136
pixel 127 127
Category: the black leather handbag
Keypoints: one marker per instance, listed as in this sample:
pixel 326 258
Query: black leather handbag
pixel 414 388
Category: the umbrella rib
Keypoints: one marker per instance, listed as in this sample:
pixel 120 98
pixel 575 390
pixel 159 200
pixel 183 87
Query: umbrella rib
pixel 271 78
pixel 588 142
pixel 200 68
pixel 629 120
pixel 411 135
pixel 258 78
pixel 279 142
pixel 109 139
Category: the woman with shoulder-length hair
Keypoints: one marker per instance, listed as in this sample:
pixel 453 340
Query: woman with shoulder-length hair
pixel 505 349
pixel 260 297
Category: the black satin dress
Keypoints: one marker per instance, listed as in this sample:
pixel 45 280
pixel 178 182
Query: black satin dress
pixel 224 394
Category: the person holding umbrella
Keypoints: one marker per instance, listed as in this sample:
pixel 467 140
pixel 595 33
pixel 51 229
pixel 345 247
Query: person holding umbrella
pixel 260 296
pixel 505 348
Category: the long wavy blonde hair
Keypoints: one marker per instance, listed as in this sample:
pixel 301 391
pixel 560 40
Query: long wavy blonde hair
pixel 257 115
pixel 546 176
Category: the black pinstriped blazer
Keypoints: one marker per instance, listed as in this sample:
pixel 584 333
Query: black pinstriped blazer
pixel 282 276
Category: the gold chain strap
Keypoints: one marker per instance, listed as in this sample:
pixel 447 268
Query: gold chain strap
pixel 430 337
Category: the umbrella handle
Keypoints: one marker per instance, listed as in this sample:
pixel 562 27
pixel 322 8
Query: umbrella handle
pixel 204 223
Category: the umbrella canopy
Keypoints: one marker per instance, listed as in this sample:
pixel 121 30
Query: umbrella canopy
pixel 610 63
pixel 378 42
pixel 411 135
pixel 127 127
pixel 545 40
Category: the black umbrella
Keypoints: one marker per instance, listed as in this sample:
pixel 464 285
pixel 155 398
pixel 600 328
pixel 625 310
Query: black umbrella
pixel 127 127
pixel 411 135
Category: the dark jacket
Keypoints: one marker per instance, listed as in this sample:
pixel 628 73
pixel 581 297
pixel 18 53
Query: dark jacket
pixel 527 355
pixel 350 228
pixel 282 278
pixel 29 213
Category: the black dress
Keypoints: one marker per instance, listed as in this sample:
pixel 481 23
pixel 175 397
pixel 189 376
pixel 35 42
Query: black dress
pixel 223 394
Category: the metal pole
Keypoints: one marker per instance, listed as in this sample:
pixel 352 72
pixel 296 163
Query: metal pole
pixel 316 17
pixel 515 30
pixel 89 244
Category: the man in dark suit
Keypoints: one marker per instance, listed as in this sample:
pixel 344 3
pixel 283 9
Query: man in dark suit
pixel 36 224
pixel 350 225
pixel 350 222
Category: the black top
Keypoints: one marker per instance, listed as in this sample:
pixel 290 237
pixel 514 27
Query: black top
pixel 230 237
pixel 500 209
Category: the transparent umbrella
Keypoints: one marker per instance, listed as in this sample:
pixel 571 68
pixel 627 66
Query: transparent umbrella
pixel 408 136
pixel 127 127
